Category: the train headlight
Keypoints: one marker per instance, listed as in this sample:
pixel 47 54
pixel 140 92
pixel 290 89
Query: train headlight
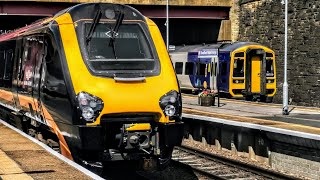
pixel 238 81
pixel 169 110
pixel 170 104
pixel 87 113
pixel 270 80
pixel 89 105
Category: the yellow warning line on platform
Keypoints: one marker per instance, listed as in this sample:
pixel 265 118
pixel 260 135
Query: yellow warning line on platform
pixel 10 170
pixel 264 122
pixel 311 109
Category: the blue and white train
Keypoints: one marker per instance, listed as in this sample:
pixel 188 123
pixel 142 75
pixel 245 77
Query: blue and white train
pixel 241 70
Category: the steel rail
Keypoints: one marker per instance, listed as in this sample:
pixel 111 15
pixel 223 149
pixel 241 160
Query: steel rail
pixel 237 164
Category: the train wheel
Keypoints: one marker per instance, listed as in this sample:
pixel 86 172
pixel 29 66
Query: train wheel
pixel 249 98
pixel 164 160
pixel 54 145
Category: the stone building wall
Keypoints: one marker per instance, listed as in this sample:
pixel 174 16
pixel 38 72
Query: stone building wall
pixel 263 21
pixel 295 165
pixel 234 18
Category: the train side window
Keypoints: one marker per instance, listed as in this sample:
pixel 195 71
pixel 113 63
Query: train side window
pixel 269 68
pixel 2 61
pixel 215 68
pixel 224 68
pixel 238 68
pixel 189 68
pixel 212 69
pixel 8 66
pixel 201 69
pixel 178 67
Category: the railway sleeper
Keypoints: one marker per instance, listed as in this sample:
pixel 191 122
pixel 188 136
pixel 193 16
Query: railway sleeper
pixel 233 175
pixel 196 164
pixel 210 168
pixel 182 158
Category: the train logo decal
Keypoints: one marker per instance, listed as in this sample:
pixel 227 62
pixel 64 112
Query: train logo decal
pixel 207 53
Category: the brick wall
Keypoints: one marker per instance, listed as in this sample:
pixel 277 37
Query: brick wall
pixel 263 21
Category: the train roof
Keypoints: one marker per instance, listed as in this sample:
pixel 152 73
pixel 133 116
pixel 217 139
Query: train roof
pixel 233 46
pixel 89 10
pixel 80 11
pixel 223 47
pixel 195 48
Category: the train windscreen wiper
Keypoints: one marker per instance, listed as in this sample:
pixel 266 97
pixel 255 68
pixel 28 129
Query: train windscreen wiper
pixel 93 26
pixel 114 32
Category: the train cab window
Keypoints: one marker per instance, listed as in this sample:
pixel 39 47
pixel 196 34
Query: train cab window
pixel 128 52
pixel 189 68
pixel 238 68
pixel 269 68
pixel 8 65
pixel 178 67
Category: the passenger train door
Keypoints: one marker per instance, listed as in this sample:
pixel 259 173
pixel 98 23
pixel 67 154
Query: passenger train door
pixel 255 74
pixel 203 72
pixel 40 49
pixel 16 73
pixel 28 73
pixel 207 66
pixel 213 72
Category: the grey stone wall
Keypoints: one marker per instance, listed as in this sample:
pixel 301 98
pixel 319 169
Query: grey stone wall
pixel 295 165
pixel 263 21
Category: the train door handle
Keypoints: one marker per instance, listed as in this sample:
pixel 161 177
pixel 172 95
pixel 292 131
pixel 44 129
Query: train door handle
pixel 258 74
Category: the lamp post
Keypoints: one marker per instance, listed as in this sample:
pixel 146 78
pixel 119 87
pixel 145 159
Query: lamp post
pixel 285 110
pixel 167 24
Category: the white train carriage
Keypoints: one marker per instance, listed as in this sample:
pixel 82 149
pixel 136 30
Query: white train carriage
pixel 195 66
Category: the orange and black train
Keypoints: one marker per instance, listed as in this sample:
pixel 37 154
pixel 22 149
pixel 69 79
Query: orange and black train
pixel 95 82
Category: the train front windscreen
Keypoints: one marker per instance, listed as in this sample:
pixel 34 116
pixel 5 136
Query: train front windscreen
pixel 126 51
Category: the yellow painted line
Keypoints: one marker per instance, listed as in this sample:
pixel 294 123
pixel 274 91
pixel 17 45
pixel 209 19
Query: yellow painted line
pixel 10 170
pixel 230 117
pixel 264 122
pixel 262 105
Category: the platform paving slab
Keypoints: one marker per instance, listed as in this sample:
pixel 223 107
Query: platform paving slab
pixel 20 158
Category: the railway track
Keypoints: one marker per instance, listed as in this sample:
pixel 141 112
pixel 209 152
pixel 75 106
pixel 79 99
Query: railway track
pixel 218 167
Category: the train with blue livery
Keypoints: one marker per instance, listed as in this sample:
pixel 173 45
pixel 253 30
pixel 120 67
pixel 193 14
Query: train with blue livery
pixel 195 65
pixel 239 70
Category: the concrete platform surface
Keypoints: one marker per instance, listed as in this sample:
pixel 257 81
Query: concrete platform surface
pixel 22 159
pixel 304 119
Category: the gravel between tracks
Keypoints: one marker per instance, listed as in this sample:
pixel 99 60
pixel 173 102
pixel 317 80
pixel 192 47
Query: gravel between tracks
pixel 228 154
